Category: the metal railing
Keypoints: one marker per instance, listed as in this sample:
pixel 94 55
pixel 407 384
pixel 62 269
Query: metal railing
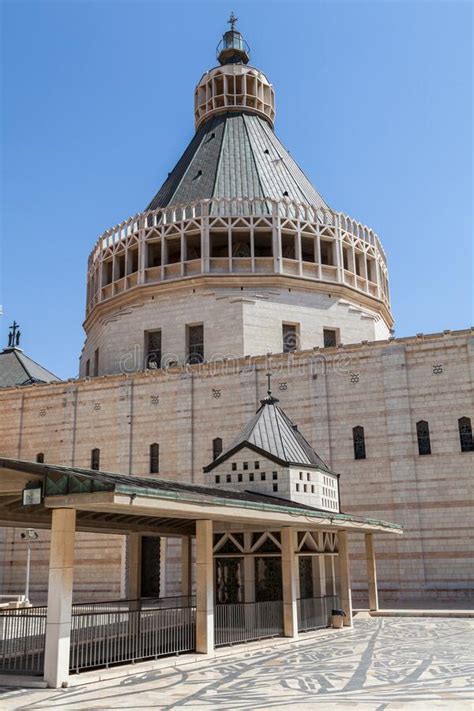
pixel 102 632
pixel 105 638
pixel 246 621
pixel 315 612
pixel 22 640
pixel 144 603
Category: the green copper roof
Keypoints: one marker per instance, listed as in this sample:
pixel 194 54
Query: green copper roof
pixel 63 481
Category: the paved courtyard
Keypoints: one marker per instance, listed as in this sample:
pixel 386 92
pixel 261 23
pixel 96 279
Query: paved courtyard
pixel 384 663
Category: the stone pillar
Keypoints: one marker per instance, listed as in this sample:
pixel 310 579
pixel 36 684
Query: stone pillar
pixel 276 239
pixel 60 582
pixel 249 569
pixel 134 566
pixel 371 571
pixel 186 560
pixel 345 578
pixel 204 588
pixel 289 571
pixel 142 252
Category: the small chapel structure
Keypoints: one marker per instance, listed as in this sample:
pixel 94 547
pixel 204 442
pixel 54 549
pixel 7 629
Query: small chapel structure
pixel 271 456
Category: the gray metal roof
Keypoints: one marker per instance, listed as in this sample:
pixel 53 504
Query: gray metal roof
pixel 16 368
pixel 235 155
pixel 273 433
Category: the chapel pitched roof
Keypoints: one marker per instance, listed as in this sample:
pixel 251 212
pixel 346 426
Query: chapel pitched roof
pixel 271 432
pixel 16 368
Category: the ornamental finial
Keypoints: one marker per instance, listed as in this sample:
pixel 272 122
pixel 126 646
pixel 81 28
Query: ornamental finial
pixel 233 49
pixel 232 20
pixel 269 400
pixel 269 386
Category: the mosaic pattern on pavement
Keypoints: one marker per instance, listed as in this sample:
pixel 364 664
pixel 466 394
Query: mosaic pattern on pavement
pixel 383 663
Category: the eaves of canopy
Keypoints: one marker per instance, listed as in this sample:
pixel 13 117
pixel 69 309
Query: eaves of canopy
pixel 116 503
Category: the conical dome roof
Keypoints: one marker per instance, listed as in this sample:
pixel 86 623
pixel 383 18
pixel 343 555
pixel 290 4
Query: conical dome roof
pixel 235 155
pixel 234 152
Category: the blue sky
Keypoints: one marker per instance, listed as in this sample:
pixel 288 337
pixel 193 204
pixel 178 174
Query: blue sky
pixel 373 100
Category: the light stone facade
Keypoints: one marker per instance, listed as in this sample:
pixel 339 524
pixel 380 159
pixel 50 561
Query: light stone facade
pixel 237 321
pixel 384 386
pixel 247 470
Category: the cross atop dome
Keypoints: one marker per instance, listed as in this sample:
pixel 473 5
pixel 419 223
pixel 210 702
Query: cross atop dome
pixel 232 48
pixel 232 20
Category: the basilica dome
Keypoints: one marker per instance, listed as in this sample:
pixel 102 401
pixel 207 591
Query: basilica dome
pixel 237 253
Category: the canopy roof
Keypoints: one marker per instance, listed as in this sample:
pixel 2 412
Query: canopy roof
pixel 236 155
pixel 119 503
pixel 272 433
pixel 16 368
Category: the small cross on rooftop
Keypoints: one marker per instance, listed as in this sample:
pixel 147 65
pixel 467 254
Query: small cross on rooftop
pixel 14 335
pixel 269 390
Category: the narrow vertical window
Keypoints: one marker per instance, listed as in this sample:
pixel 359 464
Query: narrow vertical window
pixel 88 368
pixel 95 459
pixel 465 434
pixel 423 435
pixel 290 337
pixel 195 345
pixel 358 437
pixel 217 448
pixel 40 457
pixel 329 337
pixel 154 458
pixel 96 362
pixel 153 349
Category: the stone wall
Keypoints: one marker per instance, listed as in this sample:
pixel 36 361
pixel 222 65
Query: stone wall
pixel 386 387
pixel 236 323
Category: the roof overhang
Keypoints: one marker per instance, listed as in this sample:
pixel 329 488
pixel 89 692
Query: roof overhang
pixel 264 453
pixel 112 503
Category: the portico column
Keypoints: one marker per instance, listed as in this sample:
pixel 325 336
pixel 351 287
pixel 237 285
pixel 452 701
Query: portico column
pixel 60 581
pixel 371 571
pixel 204 588
pixel 186 555
pixel 289 571
pixel 345 578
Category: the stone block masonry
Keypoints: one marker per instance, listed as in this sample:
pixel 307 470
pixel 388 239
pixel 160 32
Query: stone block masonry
pixel 385 386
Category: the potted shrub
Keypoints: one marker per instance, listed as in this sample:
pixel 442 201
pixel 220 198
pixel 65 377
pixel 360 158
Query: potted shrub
pixel 337 618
